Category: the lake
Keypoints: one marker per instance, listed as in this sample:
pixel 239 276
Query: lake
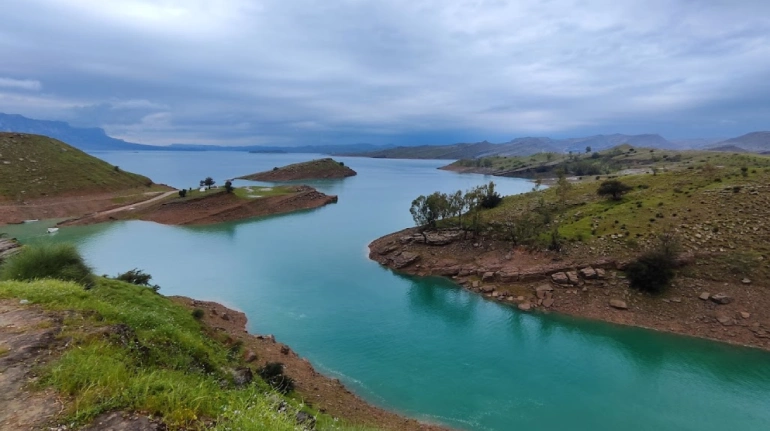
pixel 419 346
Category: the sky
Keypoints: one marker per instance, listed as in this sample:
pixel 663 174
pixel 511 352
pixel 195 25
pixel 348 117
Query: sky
pixel 405 72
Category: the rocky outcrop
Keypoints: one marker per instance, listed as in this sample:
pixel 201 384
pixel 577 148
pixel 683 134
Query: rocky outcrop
pixel 8 247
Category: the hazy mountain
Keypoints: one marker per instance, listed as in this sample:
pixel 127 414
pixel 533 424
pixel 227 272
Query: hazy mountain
pixel 755 142
pixel 88 139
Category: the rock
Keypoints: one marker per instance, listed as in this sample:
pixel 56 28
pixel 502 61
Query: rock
pixel 242 376
pixel 573 277
pixel 525 306
pixel 724 320
pixel 745 315
pixel 225 316
pixel 676 299
pixel 24 301
pixel 488 276
pixel 285 350
pixel 476 284
pixel 721 298
pixel 619 304
pixel 405 259
pixel 520 298
pixel 495 294
pixel 541 294
pixel 544 288
pixel 704 296
pixel 249 356
pixel 547 302
pixel 560 278
pixel 588 273
pixel 746 281
pixel 488 289
pixel 306 420
pixel 600 274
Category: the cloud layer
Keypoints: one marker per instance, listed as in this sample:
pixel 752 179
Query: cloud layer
pixel 395 71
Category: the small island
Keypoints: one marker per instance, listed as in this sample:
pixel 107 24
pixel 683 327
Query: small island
pixel 321 169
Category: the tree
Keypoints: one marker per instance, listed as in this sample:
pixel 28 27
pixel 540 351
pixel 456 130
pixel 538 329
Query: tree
pixel 182 193
pixel 427 210
pixel 229 186
pixel 613 188
pixel 208 182
pixel 489 197
pixel 588 149
pixel 563 186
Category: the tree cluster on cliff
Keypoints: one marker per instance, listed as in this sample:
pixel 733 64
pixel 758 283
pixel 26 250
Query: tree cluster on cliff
pixel 428 210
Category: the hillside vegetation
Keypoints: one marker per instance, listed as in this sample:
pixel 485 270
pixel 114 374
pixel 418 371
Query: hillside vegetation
pixel 313 170
pixel 34 166
pixel 622 158
pixel 135 350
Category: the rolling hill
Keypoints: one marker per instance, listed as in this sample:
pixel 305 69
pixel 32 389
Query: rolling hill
pixel 755 142
pixel 34 166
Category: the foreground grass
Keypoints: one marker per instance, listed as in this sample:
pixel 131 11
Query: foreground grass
pixel 172 368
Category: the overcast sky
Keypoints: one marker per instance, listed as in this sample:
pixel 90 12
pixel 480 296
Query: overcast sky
pixel 290 72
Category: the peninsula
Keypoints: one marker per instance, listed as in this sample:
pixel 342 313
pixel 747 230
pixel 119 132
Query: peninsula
pixel 677 245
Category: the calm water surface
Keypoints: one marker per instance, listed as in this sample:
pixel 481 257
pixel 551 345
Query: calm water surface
pixel 420 346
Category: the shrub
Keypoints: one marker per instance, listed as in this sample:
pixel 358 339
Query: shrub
pixel 653 271
pixel 57 261
pixel 198 314
pixel 613 188
pixel 272 374
pixel 137 277
pixel 182 193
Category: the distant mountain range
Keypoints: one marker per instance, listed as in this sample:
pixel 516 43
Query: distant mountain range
pixel 95 139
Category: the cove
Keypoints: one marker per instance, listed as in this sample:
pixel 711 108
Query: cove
pixel 420 346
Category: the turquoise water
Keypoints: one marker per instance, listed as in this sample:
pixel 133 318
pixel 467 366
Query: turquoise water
pixel 420 346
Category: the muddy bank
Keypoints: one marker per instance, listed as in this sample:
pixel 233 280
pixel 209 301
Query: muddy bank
pixel 12 212
pixel 593 288
pixel 217 207
pixel 325 394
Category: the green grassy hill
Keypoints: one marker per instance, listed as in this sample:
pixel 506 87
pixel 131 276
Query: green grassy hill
pixel 34 166
pixel 315 169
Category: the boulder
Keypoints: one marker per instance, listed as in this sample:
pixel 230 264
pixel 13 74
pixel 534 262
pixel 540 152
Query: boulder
pixel 721 298
pixel 242 376
pixel 544 288
pixel 725 320
pixel 548 302
pixel 619 304
pixel 476 284
pixel 285 350
pixel 487 276
pixel 746 281
pixel 541 294
pixel 405 259
pixel 600 274
pixel 572 276
pixel 704 296
pixel 306 420
pixel 560 278
pixel 525 306
pixel 249 356
pixel 588 273
pixel 488 288
pixel 745 314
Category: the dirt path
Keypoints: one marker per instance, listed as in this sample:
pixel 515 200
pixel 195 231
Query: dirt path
pixel 27 338
pixel 137 204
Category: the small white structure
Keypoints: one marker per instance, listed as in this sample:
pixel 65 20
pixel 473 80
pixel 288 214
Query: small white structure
pixel 202 189
pixel 53 229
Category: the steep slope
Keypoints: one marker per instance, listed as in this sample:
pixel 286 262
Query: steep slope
pixel 34 166
pixel 320 169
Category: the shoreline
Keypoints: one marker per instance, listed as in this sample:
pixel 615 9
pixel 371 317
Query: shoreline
pixel 214 207
pixel 324 393
pixel 543 282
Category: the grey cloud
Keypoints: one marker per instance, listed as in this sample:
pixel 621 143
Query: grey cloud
pixel 238 71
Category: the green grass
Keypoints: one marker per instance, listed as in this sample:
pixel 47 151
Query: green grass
pixel 59 261
pixel 34 166
pixel 175 370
